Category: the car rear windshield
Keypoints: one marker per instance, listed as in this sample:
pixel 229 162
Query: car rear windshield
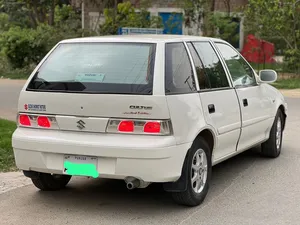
pixel 112 68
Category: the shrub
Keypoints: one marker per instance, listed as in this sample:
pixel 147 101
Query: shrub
pixel 4 23
pixel 22 46
pixel 292 60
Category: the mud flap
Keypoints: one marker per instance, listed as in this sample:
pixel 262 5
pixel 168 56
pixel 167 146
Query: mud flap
pixel 181 184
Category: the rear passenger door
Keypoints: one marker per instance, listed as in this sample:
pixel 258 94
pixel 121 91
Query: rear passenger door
pixel 181 93
pixel 219 100
pixel 255 104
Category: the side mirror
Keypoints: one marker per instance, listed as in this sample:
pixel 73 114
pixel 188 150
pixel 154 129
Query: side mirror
pixel 267 76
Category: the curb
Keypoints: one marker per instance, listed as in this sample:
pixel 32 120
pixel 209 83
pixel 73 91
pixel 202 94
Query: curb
pixel 293 93
pixel 12 180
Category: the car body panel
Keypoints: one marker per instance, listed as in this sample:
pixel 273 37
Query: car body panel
pixel 226 120
pixel 147 157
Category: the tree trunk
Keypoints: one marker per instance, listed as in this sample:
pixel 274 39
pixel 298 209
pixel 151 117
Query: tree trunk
pixel 51 14
pixel 227 5
pixel 213 5
pixel 33 19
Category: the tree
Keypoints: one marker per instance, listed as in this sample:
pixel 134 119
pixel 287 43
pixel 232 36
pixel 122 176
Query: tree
pixel 211 23
pixel 31 13
pixel 125 15
pixel 279 22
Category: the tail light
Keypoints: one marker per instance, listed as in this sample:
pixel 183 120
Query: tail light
pixel 24 120
pixel 37 121
pixel 126 126
pixel 152 127
pixel 157 127
pixel 43 121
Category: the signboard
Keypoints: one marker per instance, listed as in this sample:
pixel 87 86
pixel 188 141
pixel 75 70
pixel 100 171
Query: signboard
pixel 133 30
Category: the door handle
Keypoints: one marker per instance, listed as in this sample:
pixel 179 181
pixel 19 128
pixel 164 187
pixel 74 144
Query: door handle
pixel 211 108
pixel 245 102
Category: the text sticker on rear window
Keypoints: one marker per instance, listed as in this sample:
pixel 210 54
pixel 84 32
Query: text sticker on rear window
pixel 89 77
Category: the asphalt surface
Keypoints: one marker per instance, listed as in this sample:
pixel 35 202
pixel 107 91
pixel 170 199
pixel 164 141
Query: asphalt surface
pixel 247 189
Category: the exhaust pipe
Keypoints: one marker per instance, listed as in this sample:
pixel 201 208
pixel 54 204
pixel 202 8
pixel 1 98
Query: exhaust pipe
pixel 132 183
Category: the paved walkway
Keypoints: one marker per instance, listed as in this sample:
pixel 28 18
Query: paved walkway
pixel 12 180
pixel 293 93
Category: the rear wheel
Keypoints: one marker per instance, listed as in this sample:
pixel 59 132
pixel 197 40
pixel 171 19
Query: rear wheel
pixel 198 165
pixel 49 182
pixel 272 147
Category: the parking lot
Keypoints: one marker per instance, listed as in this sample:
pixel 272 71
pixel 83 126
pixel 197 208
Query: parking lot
pixel 247 189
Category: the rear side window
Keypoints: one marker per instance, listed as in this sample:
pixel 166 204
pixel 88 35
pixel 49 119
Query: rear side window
pixel 212 64
pixel 115 68
pixel 179 73
pixel 201 74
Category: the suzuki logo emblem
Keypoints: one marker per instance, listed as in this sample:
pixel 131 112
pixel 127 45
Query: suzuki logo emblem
pixel 81 124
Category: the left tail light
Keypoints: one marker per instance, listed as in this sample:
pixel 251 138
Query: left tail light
pixel 37 121
pixel 24 120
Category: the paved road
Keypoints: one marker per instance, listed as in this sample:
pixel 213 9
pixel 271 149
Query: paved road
pixel 246 190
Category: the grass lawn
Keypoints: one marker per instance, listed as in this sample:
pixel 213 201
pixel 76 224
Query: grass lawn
pixel 7 161
pixel 287 84
pixel 15 75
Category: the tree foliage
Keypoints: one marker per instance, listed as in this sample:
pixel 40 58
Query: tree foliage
pixel 202 15
pixel 4 22
pixel 125 15
pixel 30 13
pixel 23 44
pixel 279 22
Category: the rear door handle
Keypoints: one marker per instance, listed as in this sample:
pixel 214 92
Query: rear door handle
pixel 245 102
pixel 211 108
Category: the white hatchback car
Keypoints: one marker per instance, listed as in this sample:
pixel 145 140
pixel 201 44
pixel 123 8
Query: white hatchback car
pixel 144 109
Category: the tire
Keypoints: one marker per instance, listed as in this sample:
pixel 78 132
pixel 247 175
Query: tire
pixel 191 197
pixel 48 182
pixel 272 147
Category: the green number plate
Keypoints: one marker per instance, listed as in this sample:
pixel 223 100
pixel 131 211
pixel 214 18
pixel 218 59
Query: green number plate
pixel 80 166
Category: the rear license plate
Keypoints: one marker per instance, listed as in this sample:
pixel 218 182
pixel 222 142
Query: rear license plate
pixel 76 165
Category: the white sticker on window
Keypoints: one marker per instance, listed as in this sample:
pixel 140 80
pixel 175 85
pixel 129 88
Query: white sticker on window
pixel 90 77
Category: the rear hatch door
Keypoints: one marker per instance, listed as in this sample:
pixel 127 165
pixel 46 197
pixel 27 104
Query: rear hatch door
pixel 85 84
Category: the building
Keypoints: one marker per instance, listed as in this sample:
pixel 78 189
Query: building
pixel 168 9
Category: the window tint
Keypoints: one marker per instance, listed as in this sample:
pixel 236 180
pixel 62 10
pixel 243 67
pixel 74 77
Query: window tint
pixel 116 68
pixel 201 74
pixel 212 64
pixel 241 73
pixel 179 73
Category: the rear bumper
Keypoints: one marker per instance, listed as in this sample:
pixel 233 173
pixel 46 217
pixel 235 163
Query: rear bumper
pixel 149 158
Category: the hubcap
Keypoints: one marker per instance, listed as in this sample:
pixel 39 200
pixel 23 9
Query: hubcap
pixel 278 134
pixel 199 171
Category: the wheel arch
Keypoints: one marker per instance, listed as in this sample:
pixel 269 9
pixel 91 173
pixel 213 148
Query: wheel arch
pixel 209 136
pixel 283 110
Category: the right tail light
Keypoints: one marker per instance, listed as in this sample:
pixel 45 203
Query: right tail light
pixel 151 127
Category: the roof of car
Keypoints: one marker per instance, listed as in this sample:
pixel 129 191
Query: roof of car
pixel 140 38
